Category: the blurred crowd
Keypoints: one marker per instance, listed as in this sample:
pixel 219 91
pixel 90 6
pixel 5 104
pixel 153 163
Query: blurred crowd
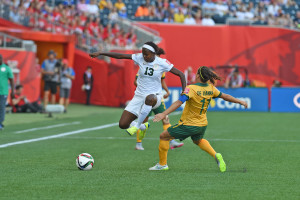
pixel 283 13
pixel 95 22
pixel 81 19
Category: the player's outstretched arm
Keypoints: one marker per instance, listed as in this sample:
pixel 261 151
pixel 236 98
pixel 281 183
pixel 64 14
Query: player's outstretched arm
pixel 230 98
pixel 172 108
pixel 165 87
pixel 111 54
pixel 177 72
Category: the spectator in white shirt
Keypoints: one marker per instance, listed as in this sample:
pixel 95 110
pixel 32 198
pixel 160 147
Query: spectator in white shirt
pixel 14 15
pixel 189 19
pixel 221 8
pixel 208 21
pixel 208 7
pixel 93 8
pixel 249 14
pixel 273 8
pixel 240 14
pixel 234 79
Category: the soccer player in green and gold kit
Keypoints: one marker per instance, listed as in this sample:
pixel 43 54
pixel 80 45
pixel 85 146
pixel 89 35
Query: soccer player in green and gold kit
pixel 193 122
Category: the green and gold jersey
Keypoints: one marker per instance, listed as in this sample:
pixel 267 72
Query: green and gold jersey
pixel 199 96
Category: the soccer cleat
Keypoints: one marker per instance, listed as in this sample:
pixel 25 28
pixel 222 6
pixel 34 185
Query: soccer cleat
pixel 143 132
pixel 174 144
pixel 159 167
pixel 220 162
pixel 139 146
pixel 132 130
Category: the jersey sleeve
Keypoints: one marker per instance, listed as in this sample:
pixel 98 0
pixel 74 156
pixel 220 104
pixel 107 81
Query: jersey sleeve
pixel 136 57
pixel 9 73
pixel 163 75
pixel 216 92
pixel 187 94
pixel 166 65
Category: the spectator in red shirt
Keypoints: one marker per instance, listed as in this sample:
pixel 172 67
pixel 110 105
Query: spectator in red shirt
pixel 21 104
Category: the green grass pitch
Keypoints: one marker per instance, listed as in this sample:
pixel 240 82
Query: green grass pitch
pixel 261 150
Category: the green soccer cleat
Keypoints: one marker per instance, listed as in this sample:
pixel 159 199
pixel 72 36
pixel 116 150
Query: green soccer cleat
pixel 220 162
pixel 158 167
pixel 132 130
pixel 143 133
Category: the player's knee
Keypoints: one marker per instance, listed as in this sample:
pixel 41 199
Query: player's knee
pixel 196 142
pixel 163 137
pixel 123 125
pixel 151 100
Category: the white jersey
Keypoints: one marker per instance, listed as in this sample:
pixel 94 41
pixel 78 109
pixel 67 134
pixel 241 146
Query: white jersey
pixel 149 79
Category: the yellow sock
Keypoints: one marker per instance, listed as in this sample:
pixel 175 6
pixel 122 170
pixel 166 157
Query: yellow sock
pixel 205 146
pixel 163 151
pixel 137 136
pixel 166 126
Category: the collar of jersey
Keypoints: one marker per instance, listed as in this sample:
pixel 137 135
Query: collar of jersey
pixel 201 84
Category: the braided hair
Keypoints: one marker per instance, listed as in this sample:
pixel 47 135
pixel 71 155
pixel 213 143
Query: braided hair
pixel 207 74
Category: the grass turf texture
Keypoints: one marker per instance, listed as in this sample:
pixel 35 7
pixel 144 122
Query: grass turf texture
pixel 261 151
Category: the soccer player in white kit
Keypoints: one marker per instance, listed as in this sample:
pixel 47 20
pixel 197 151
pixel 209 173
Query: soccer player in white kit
pixel 148 93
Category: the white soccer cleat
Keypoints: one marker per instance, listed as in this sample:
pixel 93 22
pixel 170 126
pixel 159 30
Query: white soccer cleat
pixel 174 144
pixel 139 146
pixel 159 167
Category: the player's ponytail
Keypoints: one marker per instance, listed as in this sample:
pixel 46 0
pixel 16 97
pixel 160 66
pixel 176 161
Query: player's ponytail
pixel 207 74
pixel 158 51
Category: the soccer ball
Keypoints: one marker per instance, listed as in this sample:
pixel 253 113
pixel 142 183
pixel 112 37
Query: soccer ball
pixel 85 161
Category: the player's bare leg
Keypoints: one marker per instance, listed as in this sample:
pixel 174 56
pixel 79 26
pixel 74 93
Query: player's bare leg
pixel 53 98
pixel 126 119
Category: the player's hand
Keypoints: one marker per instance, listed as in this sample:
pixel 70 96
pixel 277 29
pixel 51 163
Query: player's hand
pixel 159 117
pixel 243 103
pixel 94 55
pixel 167 95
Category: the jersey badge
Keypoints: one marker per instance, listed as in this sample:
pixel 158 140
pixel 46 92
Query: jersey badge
pixel 3 69
pixel 155 67
pixel 186 91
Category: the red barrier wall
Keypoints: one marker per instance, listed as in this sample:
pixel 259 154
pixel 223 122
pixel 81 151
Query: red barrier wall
pixel 113 83
pixel 268 53
pixel 29 74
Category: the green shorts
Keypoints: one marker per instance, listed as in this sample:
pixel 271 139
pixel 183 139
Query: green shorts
pixel 182 132
pixel 160 109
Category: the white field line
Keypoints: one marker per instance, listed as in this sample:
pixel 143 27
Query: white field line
pixel 46 127
pixel 157 138
pixel 58 135
pixel 66 134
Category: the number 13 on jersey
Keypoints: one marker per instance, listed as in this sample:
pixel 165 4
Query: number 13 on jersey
pixel 149 71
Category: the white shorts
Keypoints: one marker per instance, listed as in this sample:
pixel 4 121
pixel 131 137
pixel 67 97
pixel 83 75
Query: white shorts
pixel 136 103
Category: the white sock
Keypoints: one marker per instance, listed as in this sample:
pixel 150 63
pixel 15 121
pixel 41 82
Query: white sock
pixel 143 127
pixel 146 109
pixel 133 123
